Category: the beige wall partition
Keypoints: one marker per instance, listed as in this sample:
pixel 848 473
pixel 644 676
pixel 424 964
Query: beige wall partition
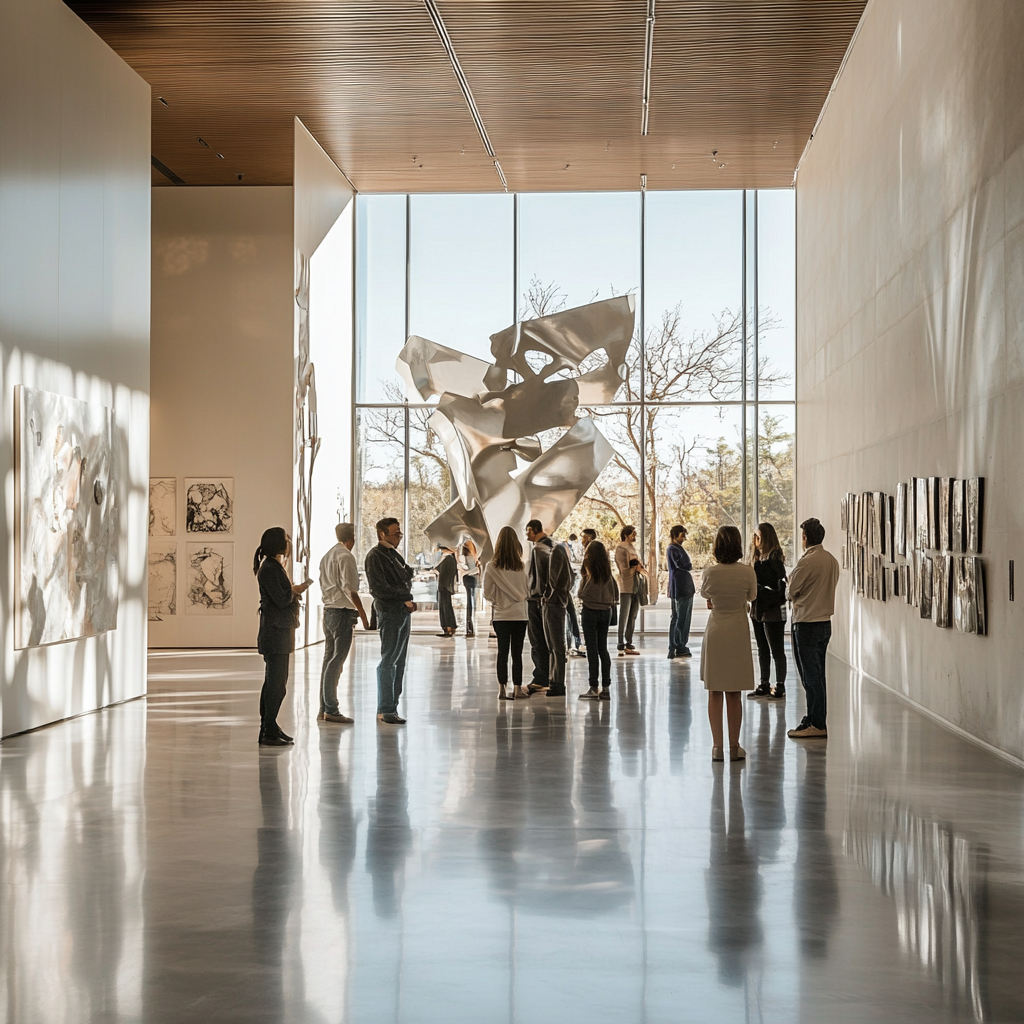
pixel 74 317
pixel 223 376
pixel 910 283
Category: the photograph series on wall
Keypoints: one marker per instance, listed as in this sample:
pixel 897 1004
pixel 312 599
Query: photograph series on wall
pixel 208 565
pixel 920 545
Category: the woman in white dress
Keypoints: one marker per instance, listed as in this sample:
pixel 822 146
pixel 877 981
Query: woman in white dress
pixel 726 664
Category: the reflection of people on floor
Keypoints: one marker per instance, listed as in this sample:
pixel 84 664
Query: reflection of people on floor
pixel 680 716
pixel 272 884
pixel 816 889
pixel 766 803
pixel 337 822
pixel 732 881
pixel 388 835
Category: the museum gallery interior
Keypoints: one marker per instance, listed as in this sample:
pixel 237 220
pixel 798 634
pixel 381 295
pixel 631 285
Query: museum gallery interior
pixel 742 267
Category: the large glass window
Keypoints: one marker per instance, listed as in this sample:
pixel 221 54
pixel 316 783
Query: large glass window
pixel 704 429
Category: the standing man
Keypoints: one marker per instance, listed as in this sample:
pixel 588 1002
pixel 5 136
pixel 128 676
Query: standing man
pixel 572 622
pixel 812 589
pixel 537 581
pixel 557 597
pixel 339 585
pixel 447 583
pixel 390 581
pixel 680 592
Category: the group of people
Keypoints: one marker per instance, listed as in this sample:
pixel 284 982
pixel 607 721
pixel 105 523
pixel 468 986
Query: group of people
pixel 530 594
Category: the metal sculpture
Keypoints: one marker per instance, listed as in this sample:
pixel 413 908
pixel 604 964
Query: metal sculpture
pixel 490 427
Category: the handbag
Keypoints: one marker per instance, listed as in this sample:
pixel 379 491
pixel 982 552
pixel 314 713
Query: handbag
pixel 641 589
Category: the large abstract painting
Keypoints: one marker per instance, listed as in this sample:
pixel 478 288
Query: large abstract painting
pixel 68 527
pixel 210 505
pixel 491 428
pixel 209 579
pixel 163 579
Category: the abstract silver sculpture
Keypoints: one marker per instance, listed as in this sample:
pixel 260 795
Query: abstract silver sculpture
pixel 490 427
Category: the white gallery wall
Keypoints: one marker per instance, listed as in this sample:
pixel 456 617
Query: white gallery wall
pixel 74 316
pixel 910 292
pixel 223 373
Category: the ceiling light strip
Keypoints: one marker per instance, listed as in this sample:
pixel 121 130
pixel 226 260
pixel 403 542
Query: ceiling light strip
pixel 648 57
pixel 446 42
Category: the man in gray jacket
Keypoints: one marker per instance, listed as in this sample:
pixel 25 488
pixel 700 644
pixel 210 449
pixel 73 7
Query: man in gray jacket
pixel 537 578
pixel 556 597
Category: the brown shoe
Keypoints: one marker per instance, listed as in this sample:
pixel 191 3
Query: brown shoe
pixel 326 716
pixel 807 732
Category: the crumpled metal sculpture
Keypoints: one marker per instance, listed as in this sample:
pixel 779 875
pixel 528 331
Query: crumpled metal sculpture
pixel 490 427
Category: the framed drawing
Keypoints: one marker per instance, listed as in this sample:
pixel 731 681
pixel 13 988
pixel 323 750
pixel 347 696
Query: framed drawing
pixel 163 506
pixel 163 579
pixel 209 579
pixel 210 505
pixel 975 513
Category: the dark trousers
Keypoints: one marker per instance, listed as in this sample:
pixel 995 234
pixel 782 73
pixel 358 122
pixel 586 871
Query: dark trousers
pixel 339 627
pixel 511 633
pixel 679 624
pixel 554 635
pixel 395 622
pixel 445 610
pixel 810 642
pixel 595 632
pixel 771 643
pixel 628 607
pixel 538 645
pixel 572 622
pixel 469 582
pixel 275 685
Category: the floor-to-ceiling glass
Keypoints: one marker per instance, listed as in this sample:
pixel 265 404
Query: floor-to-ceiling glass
pixel 704 425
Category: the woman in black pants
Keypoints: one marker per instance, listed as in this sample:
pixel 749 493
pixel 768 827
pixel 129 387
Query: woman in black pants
pixel 279 612
pixel 506 590
pixel 768 611
pixel 598 595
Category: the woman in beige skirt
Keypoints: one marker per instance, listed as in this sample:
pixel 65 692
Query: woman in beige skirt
pixel 726 664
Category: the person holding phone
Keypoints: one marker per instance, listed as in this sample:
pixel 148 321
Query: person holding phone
pixel 279 618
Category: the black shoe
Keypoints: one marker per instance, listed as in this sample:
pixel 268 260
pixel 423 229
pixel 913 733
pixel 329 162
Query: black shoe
pixel 556 693
pixel 390 719
pixel 606 693
pixel 274 741
pixel 684 653
pixel 671 655
pixel 777 693
pixel 760 693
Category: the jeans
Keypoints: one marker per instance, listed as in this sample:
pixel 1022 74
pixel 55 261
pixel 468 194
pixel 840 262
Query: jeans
pixel 572 623
pixel 394 621
pixel 469 582
pixel 445 610
pixel 538 645
pixel 595 632
pixel 770 637
pixel 628 607
pixel 511 633
pixel 275 685
pixel 810 642
pixel 339 627
pixel 679 624
pixel 554 635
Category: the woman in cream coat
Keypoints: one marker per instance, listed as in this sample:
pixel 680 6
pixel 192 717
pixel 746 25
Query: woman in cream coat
pixel 726 664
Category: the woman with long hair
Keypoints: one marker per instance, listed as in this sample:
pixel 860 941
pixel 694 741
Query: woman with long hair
pixel 627 561
pixel 598 594
pixel 768 611
pixel 506 589
pixel 725 662
pixel 279 617
pixel 470 574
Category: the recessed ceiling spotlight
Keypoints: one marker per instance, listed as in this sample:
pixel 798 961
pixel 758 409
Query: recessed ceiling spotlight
pixel 721 167
pixel 220 156
pixel 714 153
pixel 239 176
pixel 202 142
pixel 566 167
pixel 163 101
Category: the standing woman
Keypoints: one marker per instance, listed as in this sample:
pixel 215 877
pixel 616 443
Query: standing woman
pixel 627 561
pixel 506 589
pixel 598 593
pixel 768 611
pixel 279 617
pixel 726 665
pixel 470 575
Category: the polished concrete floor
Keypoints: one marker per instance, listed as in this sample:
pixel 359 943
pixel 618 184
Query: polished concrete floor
pixel 491 862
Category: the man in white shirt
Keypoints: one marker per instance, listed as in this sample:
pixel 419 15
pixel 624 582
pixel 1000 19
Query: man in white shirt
pixel 339 586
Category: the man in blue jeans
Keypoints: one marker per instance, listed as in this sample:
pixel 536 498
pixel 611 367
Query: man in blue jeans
pixel 390 581
pixel 339 587
pixel 812 589
pixel 680 592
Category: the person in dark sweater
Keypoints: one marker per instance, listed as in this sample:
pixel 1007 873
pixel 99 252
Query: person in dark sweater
pixel 680 592
pixel 279 616
pixel 598 593
pixel 768 611
pixel 447 583
pixel 389 578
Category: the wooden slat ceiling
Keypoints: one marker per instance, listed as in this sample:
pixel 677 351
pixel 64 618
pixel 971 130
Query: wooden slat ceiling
pixel 558 85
